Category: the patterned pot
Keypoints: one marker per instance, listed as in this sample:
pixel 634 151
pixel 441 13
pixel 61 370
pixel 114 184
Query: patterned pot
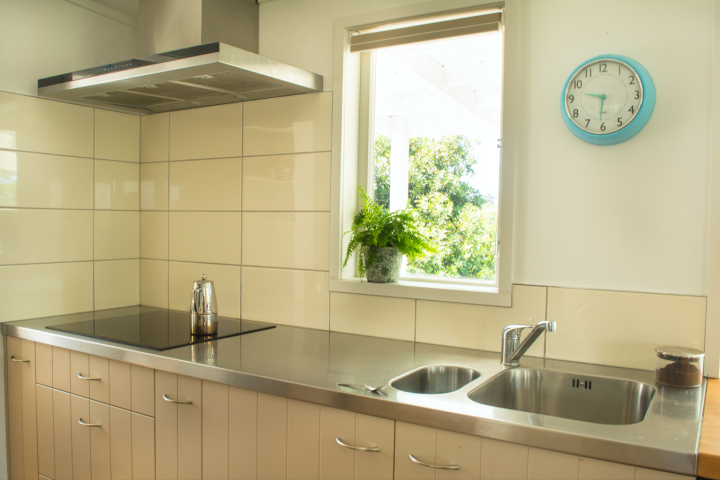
pixel 386 267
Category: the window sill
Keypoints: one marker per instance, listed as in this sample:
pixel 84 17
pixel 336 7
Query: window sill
pixel 440 292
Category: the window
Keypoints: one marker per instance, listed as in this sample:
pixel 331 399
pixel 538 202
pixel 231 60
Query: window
pixel 430 95
pixel 436 129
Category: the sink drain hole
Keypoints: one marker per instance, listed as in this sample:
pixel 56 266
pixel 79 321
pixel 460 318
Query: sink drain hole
pixel 587 384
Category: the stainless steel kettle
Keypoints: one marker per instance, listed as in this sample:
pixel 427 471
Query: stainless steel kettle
pixel 204 308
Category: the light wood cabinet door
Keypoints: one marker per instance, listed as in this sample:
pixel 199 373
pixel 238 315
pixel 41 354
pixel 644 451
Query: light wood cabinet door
pixel 79 374
pixel 61 369
pixel 215 446
pixel 62 432
pixel 374 432
pixel 142 388
pixel 303 441
pixel 143 447
pixel 46 436
pixel 359 431
pixel 43 364
pixel 121 458
pixel 80 434
pixel 22 424
pixel 100 378
pixel 272 437
pixel 421 443
pixel 243 433
pixel 120 391
pixel 178 426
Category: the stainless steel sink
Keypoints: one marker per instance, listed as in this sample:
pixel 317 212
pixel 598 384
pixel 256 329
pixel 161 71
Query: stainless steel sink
pixel 577 397
pixel 435 379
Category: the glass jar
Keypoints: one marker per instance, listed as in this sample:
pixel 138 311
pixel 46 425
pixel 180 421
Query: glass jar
pixel 679 366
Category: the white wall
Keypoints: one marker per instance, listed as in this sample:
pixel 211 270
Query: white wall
pixel 42 38
pixel 631 217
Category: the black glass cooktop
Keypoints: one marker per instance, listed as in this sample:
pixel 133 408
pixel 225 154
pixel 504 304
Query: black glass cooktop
pixel 158 330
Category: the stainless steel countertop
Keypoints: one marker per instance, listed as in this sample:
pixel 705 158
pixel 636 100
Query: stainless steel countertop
pixel 306 365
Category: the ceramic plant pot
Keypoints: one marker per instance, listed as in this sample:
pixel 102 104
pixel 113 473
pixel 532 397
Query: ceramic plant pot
pixel 386 267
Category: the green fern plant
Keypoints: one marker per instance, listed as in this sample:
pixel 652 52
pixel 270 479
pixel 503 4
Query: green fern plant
pixel 375 226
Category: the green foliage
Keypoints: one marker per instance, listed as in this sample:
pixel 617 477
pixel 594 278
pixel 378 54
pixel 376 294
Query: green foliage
pixel 448 210
pixel 375 226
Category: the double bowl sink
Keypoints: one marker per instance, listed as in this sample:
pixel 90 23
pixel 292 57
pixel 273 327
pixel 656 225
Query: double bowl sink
pixel 586 398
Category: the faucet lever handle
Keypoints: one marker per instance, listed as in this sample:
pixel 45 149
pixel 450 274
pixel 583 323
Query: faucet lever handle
pixel 514 330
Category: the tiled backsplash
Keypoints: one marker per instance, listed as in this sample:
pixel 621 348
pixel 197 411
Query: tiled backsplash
pixel 69 200
pixel 241 193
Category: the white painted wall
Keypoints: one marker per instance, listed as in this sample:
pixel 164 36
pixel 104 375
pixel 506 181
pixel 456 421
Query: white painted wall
pixel 42 38
pixel 631 217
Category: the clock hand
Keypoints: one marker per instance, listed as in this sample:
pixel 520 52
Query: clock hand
pixel 596 96
pixel 602 102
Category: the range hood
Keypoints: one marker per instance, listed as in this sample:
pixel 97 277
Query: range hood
pixel 215 62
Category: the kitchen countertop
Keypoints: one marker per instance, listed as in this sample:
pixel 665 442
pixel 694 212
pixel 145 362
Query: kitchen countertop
pixel 306 365
pixel 709 451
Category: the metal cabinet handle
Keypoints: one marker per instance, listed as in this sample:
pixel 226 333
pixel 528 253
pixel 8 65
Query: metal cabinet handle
pixel 88 424
pixel 12 357
pixel 361 449
pixel 441 467
pixel 96 379
pixel 168 399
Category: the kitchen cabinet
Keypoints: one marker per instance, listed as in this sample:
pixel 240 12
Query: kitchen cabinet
pixel 110 443
pixel 22 431
pixel 178 426
pixel 369 445
pixel 151 424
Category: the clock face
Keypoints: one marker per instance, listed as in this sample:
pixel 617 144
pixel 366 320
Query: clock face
pixel 603 96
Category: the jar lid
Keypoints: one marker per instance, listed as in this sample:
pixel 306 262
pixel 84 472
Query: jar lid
pixel 672 352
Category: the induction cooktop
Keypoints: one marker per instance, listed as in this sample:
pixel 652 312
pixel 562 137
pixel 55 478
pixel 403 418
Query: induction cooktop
pixel 157 330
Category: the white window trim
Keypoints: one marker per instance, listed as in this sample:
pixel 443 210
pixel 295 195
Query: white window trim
pixel 350 157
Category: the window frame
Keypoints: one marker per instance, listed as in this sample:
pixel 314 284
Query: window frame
pixel 353 149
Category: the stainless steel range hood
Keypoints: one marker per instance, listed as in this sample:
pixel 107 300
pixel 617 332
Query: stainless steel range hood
pixel 191 75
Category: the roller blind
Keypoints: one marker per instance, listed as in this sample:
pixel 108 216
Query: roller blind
pixel 488 22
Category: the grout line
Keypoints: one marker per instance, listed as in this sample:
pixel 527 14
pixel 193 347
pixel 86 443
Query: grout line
pixel 547 297
pixel 416 311
pixel 168 217
pixel 68 261
pixel 139 214
pixel 281 154
pixel 52 154
pixel 93 216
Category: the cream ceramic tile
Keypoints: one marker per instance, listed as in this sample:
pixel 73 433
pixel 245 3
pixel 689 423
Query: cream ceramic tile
pixel 116 185
pixel 289 297
pixel 63 287
pixel 227 284
pixel 480 327
pixel 154 283
pixel 154 186
pixel 591 469
pixel 154 235
pixel 206 184
pixel 43 236
pixel 38 125
pixel 208 132
pixel 287 182
pixel 299 123
pixel 621 329
pixel 212 237
pixel 117 283
pixel 117 136
pixel 34 180
pixel 503 461
pixel 117 235
pixel 647 474
pixel 154 137
pixel 286 240
pixel 547 465
pixel 385 317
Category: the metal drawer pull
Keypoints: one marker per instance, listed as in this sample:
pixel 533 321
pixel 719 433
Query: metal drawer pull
pixel 12 357
pixel 88 424
pixel 361 449
pixel 441 467
pixel 168 399
pixel 96 379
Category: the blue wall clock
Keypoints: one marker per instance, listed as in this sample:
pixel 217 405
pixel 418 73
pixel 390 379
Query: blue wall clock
pixel 608 100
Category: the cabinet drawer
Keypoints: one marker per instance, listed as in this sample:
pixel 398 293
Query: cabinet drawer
pixel 115 383
pixel 369 445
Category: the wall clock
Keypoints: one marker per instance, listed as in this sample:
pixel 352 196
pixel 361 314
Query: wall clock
pixel 608 99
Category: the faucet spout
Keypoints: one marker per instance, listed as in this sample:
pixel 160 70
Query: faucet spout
pixel 512 349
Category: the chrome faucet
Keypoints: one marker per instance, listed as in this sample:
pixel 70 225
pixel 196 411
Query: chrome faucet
pixel 512 349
